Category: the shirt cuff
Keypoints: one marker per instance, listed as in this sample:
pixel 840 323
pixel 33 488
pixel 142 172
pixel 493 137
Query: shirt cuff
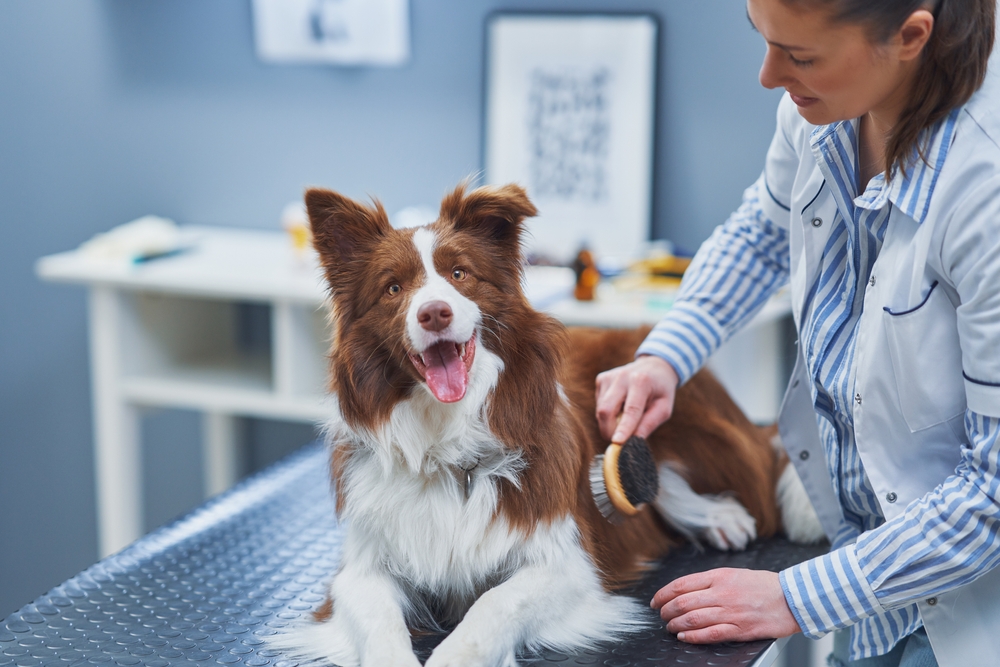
pixel 685 338
pixel 829 593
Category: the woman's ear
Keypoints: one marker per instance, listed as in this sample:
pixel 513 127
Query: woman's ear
pixel 914 34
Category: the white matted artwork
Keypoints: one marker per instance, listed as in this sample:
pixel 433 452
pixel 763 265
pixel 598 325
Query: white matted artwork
pixel 570 115
pixel 338 32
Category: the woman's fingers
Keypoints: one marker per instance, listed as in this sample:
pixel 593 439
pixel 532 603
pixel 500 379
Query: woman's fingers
pixel 635 398
pixel 657 412
pixel 699 581
pixel 725 605
pixel 633 409
pixel 611 391
pixel 723 632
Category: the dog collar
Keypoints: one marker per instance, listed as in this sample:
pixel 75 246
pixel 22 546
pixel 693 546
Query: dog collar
pixel 467 479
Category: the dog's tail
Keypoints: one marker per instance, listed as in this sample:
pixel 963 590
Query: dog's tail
pixel 798 518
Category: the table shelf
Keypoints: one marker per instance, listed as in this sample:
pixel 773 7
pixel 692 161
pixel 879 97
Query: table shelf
pixel 230 400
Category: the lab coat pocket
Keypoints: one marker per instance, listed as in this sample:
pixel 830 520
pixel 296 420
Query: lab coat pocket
pixel 926 359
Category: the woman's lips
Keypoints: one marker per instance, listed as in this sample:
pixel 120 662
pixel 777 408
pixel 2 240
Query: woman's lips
pixel 803 101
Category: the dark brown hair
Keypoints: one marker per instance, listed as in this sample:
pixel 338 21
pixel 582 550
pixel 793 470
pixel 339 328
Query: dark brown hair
pixel 952 67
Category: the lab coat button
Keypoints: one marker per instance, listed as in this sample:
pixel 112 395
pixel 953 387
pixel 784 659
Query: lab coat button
pixel 871 281
pixel 891 496
pixel 857 398
pixel 817 222
pixel 804 455
pixel 932 601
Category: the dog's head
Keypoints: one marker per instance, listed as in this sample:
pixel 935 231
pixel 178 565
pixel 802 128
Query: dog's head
pixel 411 306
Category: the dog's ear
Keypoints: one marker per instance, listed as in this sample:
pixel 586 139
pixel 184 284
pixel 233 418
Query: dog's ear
pixel 342 227
pixel 495 213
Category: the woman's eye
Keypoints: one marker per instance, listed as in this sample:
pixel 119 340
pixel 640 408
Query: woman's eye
pixel 459 274
pixel 800 63
pixel 393 290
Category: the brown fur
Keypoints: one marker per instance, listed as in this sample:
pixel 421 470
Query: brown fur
pixel 325 611
pixel 480 231
pixel 717 446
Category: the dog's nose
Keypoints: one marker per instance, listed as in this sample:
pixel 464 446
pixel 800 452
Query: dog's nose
pixel 434 316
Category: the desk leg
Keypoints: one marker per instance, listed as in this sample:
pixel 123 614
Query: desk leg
pixel 750 366
pixel 117 454
pixel 221 452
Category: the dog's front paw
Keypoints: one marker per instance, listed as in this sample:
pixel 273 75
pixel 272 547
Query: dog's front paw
pixel 456 651
pixel 730 527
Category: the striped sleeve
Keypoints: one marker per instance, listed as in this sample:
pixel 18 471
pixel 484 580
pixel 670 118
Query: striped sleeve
pixel 942 540
pixel 731 278
pixel 829 592
pixel 946 538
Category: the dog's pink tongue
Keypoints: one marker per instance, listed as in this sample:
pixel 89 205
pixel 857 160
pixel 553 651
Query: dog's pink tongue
pixel 446 374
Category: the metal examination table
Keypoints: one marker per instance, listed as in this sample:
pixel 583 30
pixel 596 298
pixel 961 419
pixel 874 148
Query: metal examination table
pixel 210 587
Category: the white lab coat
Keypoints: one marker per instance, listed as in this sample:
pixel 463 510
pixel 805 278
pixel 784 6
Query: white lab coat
pixel 932 313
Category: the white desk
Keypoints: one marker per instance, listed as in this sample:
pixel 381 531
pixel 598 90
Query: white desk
pixel 167 333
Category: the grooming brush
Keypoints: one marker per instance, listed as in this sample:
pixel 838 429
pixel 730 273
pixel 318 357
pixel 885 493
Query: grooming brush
pixel 623 479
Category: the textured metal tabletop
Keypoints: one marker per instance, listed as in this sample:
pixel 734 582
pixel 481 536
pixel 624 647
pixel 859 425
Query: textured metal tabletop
pixel 210 587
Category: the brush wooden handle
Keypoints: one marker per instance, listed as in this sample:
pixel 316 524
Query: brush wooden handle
pixel 613 482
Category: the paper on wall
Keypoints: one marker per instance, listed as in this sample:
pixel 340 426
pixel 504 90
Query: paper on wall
pixel 339 32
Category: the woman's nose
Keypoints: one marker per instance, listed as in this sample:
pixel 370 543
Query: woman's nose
pixel 772 73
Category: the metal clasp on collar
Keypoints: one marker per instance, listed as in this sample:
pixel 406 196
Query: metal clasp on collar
pixel 467 479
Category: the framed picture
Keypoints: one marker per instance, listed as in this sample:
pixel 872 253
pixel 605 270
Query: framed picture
pixel 570 107
pixel 334 32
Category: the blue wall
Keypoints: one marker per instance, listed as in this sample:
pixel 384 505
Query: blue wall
pixel 111 109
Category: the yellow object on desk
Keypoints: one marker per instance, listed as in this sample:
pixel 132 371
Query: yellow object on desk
pixel 295 220
pixel 300 235
pixel 662 272
pixel 632 282
pixel 667 266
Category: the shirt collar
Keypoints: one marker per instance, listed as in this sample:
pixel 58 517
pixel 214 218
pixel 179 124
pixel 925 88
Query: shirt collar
pixel 835 147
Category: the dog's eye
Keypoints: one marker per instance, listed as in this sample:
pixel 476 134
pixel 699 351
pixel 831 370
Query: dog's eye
pixel 393 289
pixel 458 274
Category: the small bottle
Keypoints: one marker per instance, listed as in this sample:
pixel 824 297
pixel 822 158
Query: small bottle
pixel 587 275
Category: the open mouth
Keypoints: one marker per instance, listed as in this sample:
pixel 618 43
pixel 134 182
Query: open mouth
pixel 445 367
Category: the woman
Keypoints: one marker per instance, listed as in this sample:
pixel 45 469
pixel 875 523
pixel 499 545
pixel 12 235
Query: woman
pixel 879 204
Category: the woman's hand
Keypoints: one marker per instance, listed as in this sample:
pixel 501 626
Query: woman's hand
pixel 725 605
pixel 642 392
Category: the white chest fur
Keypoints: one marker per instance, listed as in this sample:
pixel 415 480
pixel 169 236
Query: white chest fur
pixel 404 491
pixel 422 529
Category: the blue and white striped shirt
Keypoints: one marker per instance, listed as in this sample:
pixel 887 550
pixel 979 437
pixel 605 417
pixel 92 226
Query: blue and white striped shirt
pixel 876 568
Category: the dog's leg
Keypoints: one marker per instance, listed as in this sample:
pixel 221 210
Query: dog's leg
pixel 366 627
pixel 720 520
pixel 798 518
pixel 556 601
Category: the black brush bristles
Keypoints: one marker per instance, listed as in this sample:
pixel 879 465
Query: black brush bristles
pixel 623 479
pixel 637 471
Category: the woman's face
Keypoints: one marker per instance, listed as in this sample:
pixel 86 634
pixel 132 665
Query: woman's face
pixel 832 70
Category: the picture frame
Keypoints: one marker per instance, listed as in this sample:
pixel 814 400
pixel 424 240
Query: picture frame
pixel 570 115
pixel 348 33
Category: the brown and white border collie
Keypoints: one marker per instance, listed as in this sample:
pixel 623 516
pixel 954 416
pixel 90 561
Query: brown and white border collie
pixel 462 444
